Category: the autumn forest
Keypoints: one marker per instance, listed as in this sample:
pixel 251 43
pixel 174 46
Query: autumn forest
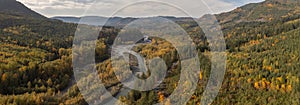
pixel 262 65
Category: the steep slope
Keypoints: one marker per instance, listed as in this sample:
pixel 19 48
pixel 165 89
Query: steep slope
pixel 261 12
pixel 258 21
pixel 17 8
pixel 264 72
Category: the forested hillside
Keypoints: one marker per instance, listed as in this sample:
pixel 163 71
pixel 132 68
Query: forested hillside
pixel 262 58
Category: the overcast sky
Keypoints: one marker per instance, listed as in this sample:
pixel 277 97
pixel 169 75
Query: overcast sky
pixel 126 8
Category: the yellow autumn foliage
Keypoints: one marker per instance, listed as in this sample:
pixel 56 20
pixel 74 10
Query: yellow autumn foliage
pixel 283 86
pixel 289 88
pixel 249 80
pixel 279 79
pixel 268 83
pixel 277 87
pixel 201 75
pixel 270 5
pixel 272 86
pixel 256 85
pixel 267 68
pixel 161 97
pixel 263 84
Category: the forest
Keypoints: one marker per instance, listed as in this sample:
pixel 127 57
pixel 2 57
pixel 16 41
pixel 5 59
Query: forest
pixel 261 46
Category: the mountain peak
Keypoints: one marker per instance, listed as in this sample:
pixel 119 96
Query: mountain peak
pixel 15 7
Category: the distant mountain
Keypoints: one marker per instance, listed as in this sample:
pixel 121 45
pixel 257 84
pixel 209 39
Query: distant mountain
pixel 106 21
pixel 16 8
pixel 265 11
pixel 67 19
pixel 90 20
pixel 96 20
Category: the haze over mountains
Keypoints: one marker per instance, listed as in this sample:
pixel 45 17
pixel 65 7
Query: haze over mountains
pixel 110 21
pixel 96 20
pixel 260 12
pixel 250 12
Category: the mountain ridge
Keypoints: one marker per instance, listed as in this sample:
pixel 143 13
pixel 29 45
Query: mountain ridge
pixel 110 21
pixel 17 8
pixel 265 11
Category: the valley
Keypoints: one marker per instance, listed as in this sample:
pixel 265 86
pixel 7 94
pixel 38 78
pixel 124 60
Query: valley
pixel 262 47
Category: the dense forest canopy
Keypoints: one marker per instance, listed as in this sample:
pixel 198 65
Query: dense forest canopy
pixel 262 65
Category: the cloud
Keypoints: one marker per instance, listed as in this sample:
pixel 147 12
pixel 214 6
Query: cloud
pixel 195 8
pixel 242 2
pixel 56 4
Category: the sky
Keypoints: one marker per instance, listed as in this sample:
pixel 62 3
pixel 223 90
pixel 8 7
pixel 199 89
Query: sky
pixel 133 8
